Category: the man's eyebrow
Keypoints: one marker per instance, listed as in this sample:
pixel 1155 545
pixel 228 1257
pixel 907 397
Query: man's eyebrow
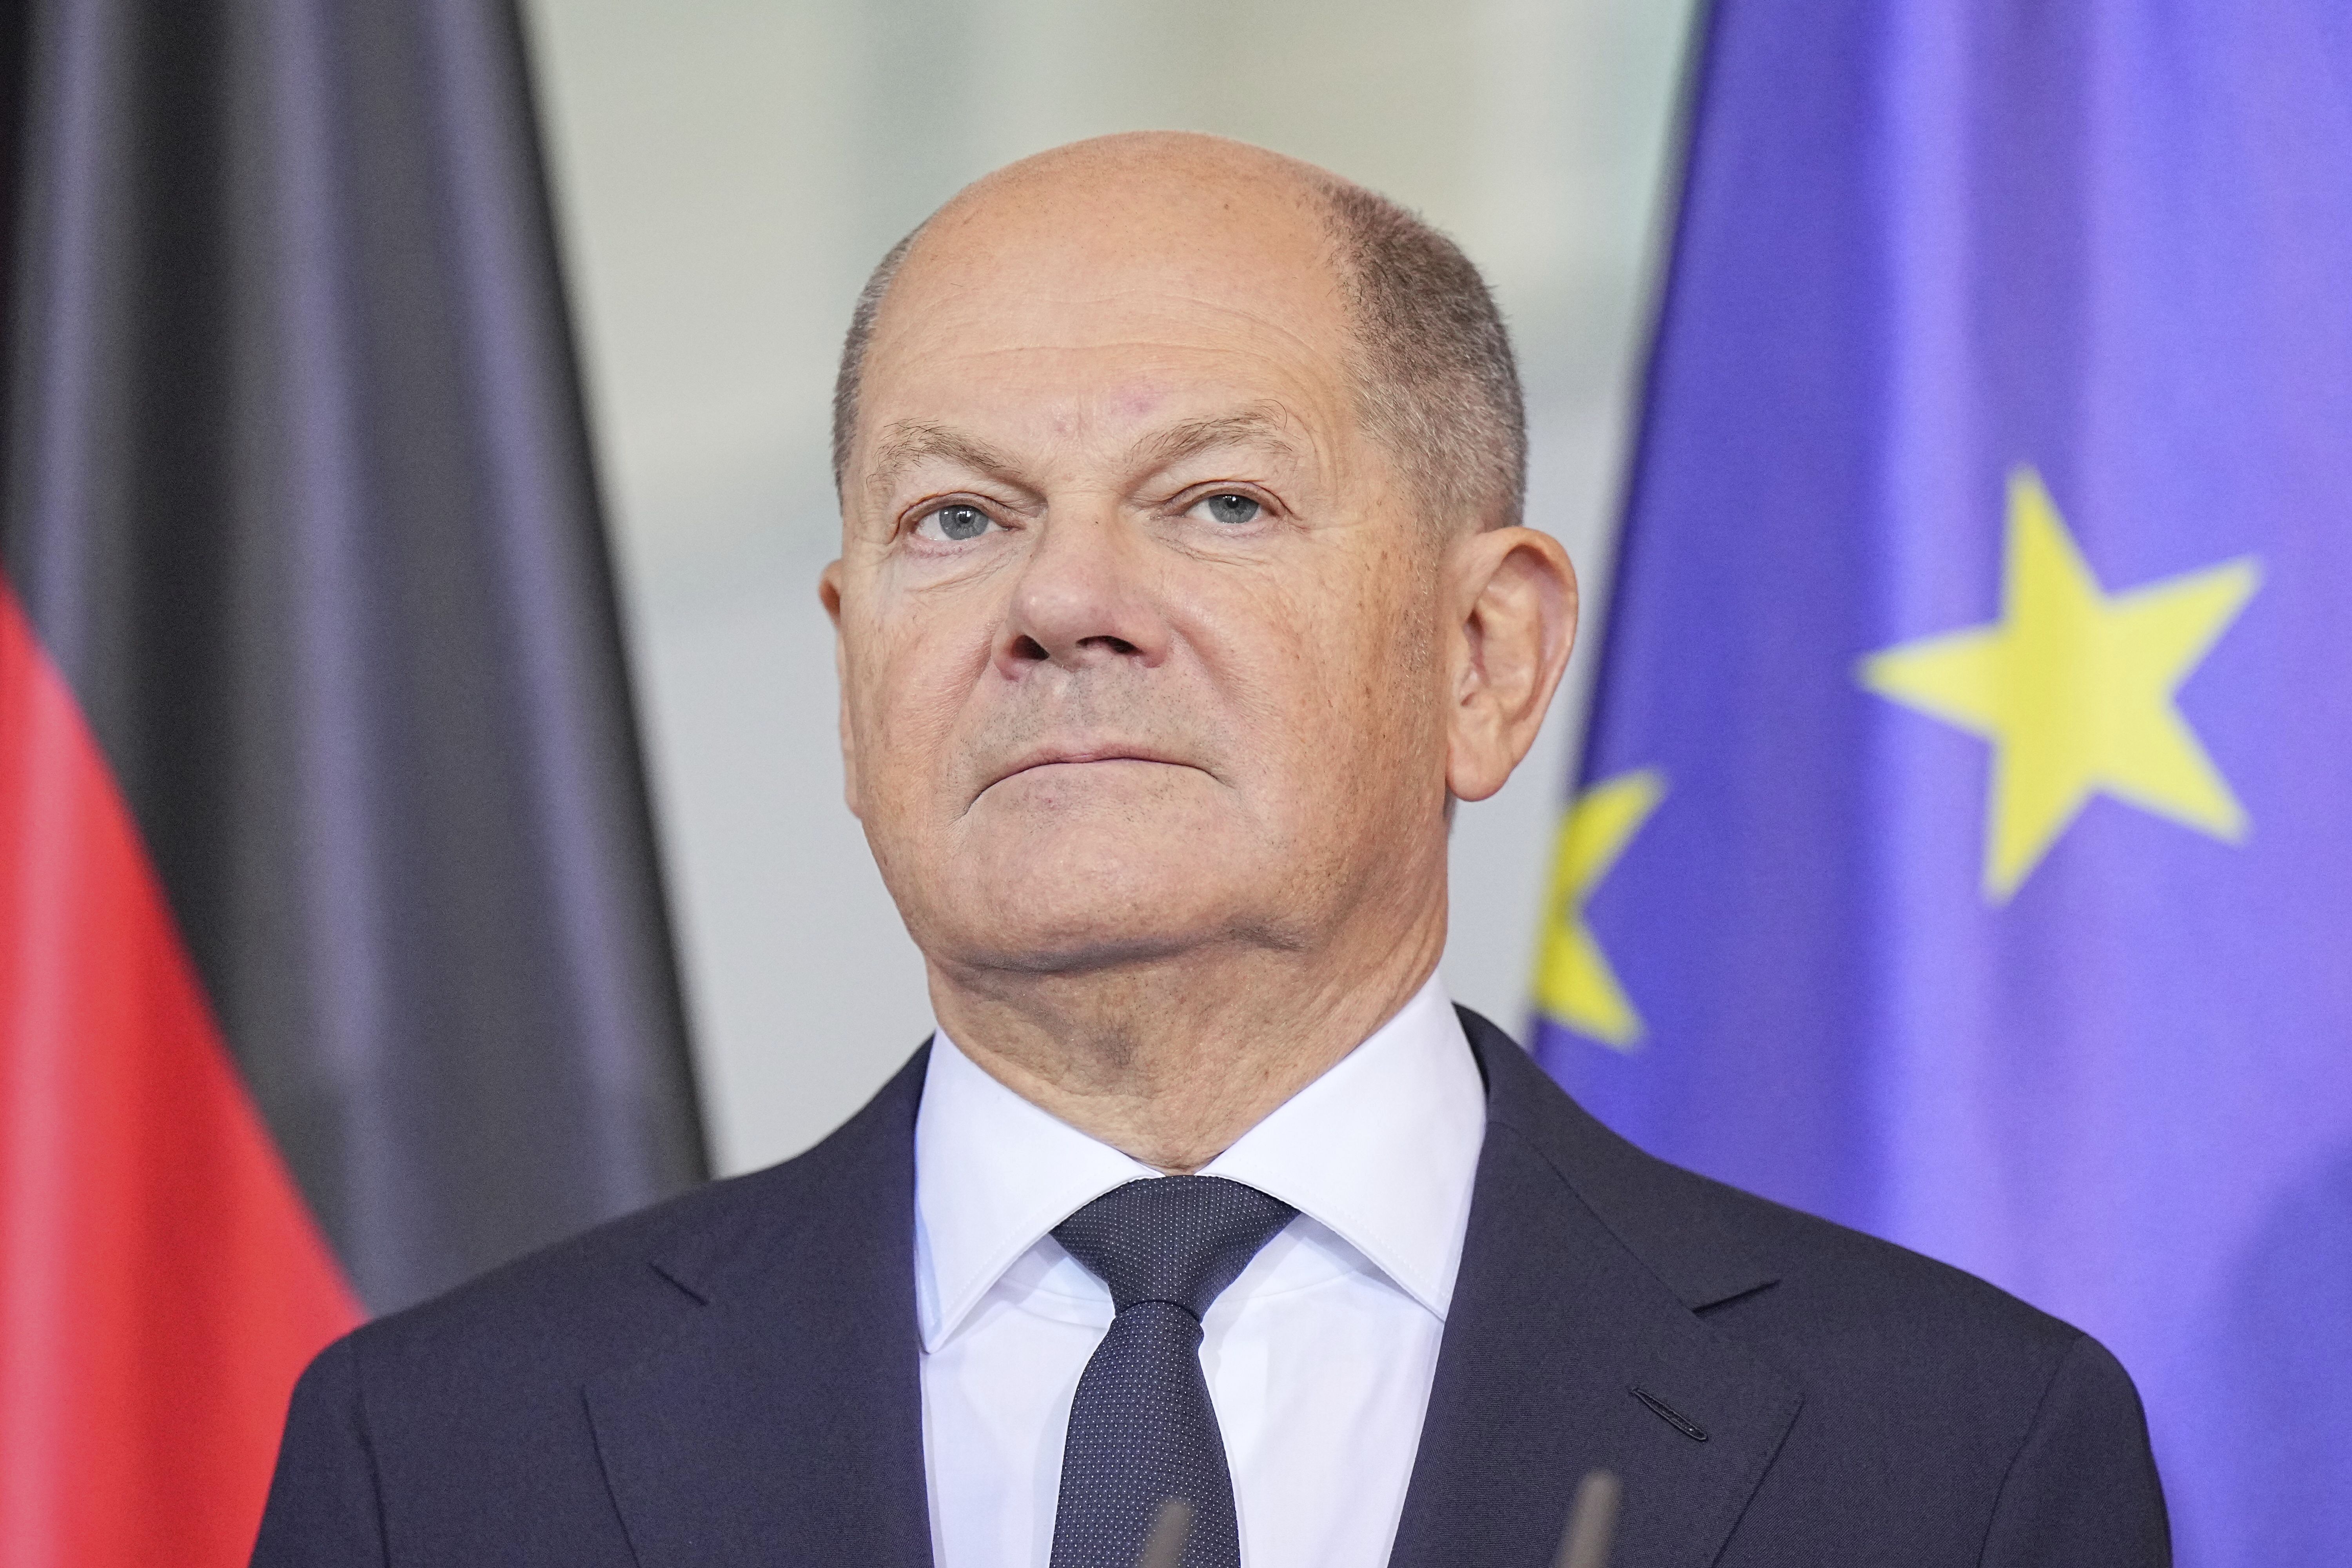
pixel 903 445
pixel 1263 424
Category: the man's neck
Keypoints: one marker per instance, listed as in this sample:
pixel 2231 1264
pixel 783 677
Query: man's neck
pixel 1172 1060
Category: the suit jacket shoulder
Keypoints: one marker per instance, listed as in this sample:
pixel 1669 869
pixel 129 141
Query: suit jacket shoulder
pixel 729 1376
pixel 1774 1388
pixel 1716 1246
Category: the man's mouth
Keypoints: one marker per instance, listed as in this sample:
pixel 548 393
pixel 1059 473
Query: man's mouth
pixel 1061 756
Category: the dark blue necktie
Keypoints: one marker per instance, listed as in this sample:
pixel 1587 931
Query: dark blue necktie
pixel 1142 1429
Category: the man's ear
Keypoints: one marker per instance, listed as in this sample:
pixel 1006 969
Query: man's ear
pixel 828 593
pixel 1515 607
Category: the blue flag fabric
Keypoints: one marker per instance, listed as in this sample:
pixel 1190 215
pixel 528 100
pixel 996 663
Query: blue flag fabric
pixel 1963 845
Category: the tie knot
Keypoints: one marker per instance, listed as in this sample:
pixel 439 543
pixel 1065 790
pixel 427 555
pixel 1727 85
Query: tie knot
pixel 1181 1239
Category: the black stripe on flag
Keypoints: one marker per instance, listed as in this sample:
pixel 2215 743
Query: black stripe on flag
pixel 297 494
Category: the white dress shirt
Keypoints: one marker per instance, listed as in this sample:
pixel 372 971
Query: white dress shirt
pixel 1318 1357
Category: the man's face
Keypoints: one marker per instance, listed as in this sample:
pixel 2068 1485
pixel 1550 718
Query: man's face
pixel 1140 633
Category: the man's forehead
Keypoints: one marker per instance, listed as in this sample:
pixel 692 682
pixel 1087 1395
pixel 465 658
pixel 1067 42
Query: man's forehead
pixel 1139 302
pixel 1168 290
pixel 1098 253
pixel 1152 364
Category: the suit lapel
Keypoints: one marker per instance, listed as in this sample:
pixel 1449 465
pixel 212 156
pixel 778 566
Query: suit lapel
pixel 785 1423
pixel 1573 1344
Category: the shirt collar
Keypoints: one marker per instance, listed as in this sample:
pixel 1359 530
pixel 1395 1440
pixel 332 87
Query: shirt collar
pixel 993 1173
pixel 1382 1148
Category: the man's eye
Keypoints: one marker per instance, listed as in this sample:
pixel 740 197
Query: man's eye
pixel 953 523
pixel 1229 508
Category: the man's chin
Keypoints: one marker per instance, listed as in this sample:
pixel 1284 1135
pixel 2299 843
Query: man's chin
pixel 1079 900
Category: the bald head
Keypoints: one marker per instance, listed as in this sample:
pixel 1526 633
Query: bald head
pixel 1425 348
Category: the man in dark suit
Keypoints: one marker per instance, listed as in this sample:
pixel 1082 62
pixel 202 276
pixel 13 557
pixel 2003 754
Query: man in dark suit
pixel 1182 588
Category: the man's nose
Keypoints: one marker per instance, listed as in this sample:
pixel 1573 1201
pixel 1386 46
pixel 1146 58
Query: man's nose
pixel 1084 595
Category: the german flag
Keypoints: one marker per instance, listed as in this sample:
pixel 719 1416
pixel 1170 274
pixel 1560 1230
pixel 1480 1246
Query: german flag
pixel 333 962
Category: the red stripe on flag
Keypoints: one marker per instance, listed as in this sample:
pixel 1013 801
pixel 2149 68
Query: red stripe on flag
pixel 162 1281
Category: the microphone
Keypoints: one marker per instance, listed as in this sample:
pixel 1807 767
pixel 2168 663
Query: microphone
pixel 1165 1547
pixel 1591 1522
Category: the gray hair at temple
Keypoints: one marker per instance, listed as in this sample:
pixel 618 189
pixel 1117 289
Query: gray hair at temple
pixel 1436 382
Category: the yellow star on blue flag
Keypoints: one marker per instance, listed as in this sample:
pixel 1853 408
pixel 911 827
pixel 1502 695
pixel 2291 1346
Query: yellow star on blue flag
pixel 1574 983
pixel 2075 688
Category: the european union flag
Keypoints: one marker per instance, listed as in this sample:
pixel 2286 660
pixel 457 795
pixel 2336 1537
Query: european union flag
pixel 1963 845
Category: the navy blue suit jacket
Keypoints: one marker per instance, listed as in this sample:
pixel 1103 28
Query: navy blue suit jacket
pixel 730 1380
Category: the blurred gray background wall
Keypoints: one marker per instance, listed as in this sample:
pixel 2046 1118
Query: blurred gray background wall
pixel 727 171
